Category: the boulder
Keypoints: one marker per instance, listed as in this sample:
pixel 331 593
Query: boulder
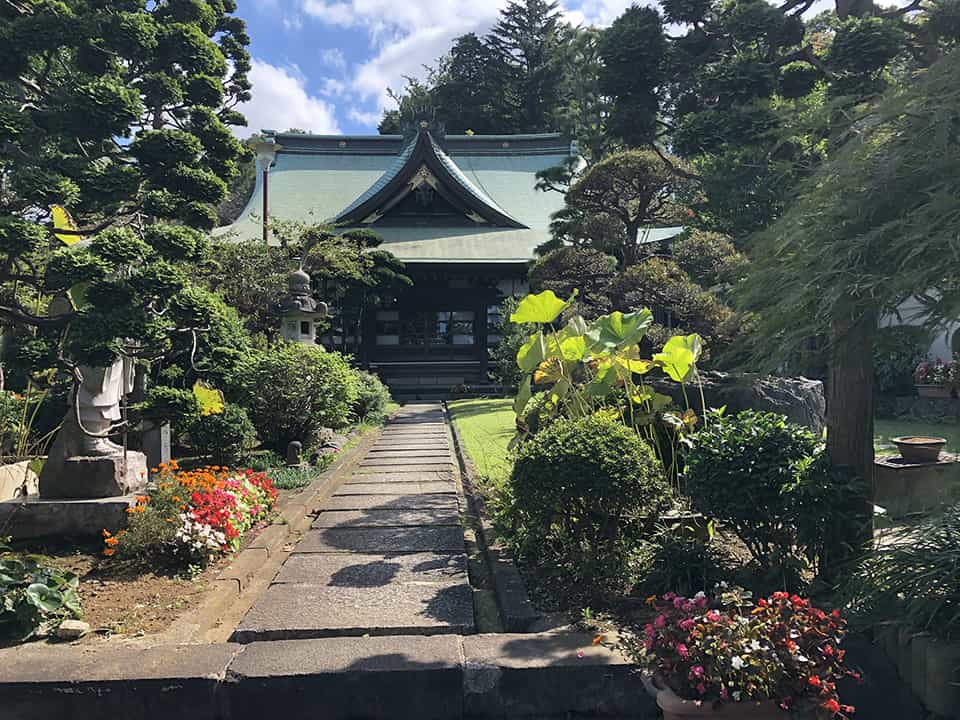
pixel 15 477
pixel 800 399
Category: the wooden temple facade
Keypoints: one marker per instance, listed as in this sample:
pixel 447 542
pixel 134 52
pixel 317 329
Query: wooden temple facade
pixel 461 211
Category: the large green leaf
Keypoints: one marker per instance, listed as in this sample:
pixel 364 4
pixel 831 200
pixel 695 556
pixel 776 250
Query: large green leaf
pixel 619 330
pixel 573 348
pixel 532 352
pixel 543 307
pixel 45 598
pixel 679 356
pixel 524 393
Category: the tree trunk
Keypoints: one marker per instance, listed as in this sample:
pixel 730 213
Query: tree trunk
pixel 850 420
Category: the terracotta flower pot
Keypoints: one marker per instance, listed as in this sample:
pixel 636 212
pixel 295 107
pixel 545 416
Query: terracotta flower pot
pixel 919 448
pixel 933 391
pixel 676 708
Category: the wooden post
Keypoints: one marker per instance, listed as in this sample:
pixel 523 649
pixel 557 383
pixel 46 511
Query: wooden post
pixel 266 206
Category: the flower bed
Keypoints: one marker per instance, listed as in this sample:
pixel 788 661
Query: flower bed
pixel 782 649
pixel 193 517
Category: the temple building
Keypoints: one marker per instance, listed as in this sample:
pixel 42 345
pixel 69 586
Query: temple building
pixel 461 211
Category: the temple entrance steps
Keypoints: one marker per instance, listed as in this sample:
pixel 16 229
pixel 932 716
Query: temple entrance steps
pixel 415 381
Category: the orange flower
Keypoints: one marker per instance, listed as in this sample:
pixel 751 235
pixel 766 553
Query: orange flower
pixel 109 552
pixel 597 640
pixel 176 498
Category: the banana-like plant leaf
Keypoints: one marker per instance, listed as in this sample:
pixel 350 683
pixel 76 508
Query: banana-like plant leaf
pixel 543 307
pixel 619 330
pixel 532 352
pixel 524 393
pixel 573 348
pixel 679 356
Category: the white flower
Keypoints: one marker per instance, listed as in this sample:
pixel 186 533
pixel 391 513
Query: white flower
pixel 737 662
pixel 755 646
pixel 735 695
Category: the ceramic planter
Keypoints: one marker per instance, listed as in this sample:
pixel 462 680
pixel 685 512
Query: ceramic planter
pixel 920 449
pixel 676 708
pixel 933 391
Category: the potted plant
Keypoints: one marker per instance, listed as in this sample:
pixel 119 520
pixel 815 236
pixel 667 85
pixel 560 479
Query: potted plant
pixel 936 379
pixel 731 659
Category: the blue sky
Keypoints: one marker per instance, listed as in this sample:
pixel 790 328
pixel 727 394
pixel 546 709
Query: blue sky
pixel 324 65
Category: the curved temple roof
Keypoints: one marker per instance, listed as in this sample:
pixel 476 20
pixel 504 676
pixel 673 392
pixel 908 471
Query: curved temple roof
pixel 489 178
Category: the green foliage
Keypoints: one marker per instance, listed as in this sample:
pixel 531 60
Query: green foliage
pixel 224 437
pixel 766 479
pixel 34 595
pixel 169 404
pixel 913 577
pixel 635 188
pixel 898 351
pixel 373 397
pixel 512 337
pixel 675 559
pixel 709 258
pixel 581 498
pixel 594 368
pixel 575 268
pixel 292 391
pixel 117 111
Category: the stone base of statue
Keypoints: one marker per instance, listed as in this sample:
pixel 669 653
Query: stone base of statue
pixel 93 477
pixel 33 517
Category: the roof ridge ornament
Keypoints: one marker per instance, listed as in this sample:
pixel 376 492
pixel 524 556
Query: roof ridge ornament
pixel 423 121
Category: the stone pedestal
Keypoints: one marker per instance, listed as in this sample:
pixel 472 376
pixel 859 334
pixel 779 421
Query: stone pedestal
pixel 37 518
pixel 156 443
pixel 904 488
pixel 95 477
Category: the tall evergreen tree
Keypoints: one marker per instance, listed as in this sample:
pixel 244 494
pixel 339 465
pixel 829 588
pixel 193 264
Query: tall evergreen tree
pixel 469 92
pixel 527 38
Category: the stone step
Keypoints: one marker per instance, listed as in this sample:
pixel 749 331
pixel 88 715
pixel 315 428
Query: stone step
pixel 436 501
pixel 386 540
pixel 372 571
pixel 423 517
pixel 398 476
pixel 396 488
pixel 294 611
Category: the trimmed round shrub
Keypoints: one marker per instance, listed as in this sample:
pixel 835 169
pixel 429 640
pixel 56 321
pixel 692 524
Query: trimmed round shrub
pixel 758 475
pixel 225 437
pixel 293 391
pixel 582 496
pixel 372 398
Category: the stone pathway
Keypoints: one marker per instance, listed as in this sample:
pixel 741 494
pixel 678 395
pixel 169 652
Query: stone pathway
pixel 385 555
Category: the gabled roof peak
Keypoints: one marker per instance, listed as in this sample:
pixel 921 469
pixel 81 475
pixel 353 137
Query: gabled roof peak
pixel 422 164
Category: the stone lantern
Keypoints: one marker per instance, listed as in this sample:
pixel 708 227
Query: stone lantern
pixel 299 311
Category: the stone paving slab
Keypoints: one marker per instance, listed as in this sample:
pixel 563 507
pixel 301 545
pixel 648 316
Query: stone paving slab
pixel 416 453
pixel 372 571
pixel 436 501
pixel 384 467
pixel 384 540
pixel 431 476
pixel 286 612
pixel 415 431
pixel 400 460
pixel 396 488
pixel 426 517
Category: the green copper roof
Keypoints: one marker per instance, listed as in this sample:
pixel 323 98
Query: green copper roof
pixel 316 178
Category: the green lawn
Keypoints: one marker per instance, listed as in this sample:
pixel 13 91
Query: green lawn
pixel 485 427
pixel 884 430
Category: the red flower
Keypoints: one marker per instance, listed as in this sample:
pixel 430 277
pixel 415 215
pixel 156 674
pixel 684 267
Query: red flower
pixel 831 705
pixel 814 681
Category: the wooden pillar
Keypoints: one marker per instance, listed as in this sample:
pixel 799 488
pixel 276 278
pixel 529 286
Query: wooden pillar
pixel 481 331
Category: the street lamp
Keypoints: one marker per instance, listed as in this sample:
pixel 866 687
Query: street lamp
pixel 266 154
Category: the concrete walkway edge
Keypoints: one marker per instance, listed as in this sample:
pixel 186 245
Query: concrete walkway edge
pixel 549 675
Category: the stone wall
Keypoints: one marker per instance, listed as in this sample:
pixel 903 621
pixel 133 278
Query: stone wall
pixel 933 410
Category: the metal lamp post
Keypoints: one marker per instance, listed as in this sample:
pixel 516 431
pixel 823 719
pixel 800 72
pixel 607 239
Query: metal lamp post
pixel 266 154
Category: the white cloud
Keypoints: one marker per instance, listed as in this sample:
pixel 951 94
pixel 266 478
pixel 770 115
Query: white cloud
pixel 292 22
pixel 370 119
pixel 333 87
pixel 281 101
pixel 333 58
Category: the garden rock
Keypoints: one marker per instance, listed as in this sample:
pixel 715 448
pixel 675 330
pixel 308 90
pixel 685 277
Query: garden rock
pixel 800 399
pixel 72 630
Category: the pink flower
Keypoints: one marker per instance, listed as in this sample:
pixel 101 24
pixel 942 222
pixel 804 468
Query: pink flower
pixel 701 688
pixel 687 625
pixel 724 695
pixel 701 601
pixel 682 651
pixel 713 616
pixel 678 602
pixel 648 630
pixel 697 671
pixel 660 621
pixel 648 644
pixel 687 606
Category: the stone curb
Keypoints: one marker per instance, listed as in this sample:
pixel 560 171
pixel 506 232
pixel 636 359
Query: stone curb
pixel 516 609
pixel 255 566
pixel 547 675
